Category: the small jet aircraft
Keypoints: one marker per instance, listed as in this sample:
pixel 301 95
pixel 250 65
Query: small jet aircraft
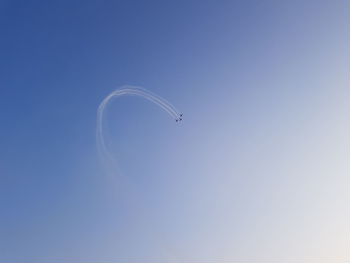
pixel 179 119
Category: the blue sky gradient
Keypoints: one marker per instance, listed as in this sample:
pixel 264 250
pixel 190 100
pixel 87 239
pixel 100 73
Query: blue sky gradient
pixel 258 171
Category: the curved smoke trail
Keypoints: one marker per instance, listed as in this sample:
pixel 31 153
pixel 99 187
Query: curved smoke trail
pixel 105 155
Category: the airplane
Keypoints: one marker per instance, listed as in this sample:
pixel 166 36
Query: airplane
pixel 179 119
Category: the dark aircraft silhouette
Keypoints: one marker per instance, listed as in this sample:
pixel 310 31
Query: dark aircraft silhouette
pixel 179 119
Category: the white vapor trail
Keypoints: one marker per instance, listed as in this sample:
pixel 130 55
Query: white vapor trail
pixel 104 153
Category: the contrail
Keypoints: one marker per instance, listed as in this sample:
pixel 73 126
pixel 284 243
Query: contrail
pixel 109 161
pixel 103 151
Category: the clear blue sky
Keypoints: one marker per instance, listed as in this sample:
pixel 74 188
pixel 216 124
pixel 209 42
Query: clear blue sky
pixel 258 171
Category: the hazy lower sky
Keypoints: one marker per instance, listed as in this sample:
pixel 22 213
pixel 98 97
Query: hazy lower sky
pixel 258 171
